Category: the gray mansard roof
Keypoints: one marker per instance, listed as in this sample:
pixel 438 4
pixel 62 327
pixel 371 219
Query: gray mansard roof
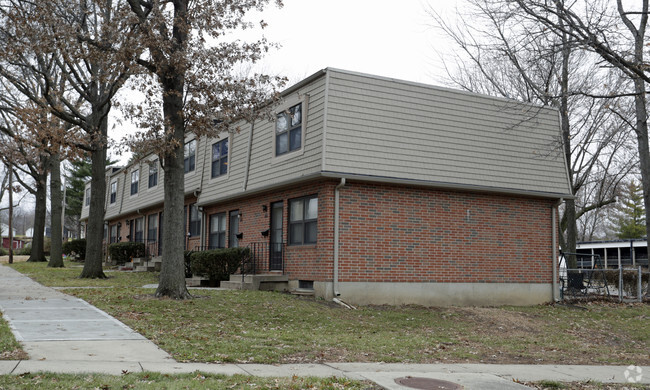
pixel 372 128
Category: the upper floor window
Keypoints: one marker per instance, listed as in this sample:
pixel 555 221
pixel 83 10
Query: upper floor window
pixel 220 158
pixel 113 192
pixel 135 179
pixel 87 197
pixel 153 174
pixel 189 151
pixel 303 218
pixel 288 130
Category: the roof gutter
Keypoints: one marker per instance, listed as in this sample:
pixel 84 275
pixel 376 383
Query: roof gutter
pixel 554 232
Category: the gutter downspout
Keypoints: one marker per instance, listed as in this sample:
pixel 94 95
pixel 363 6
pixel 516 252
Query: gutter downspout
pixel 336 238
pixel 554 246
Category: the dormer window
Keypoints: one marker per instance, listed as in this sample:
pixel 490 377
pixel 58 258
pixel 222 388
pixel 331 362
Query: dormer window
pixel 288 130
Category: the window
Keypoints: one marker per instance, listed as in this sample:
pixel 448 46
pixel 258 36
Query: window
pixel 113 192
pixel 220 158
pixel 87 197
pixel 288 130
pixel 113 234
pixel 195 220
pixel 217 238
pixel 303 215
pixel 153 174
pixel 139 230
pixel 189 151
pixel 135 179
pixel 152 228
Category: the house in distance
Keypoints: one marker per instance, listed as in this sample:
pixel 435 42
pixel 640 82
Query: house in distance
pixel 373 190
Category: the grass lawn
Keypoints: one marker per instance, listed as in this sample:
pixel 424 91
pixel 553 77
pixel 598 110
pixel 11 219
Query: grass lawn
pixel 10 349
pixel 156 381
pixel 270 327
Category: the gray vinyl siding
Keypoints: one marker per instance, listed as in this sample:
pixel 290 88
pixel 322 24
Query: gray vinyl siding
pixel 266 169
pixel 392 129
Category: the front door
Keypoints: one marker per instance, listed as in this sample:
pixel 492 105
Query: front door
pixel 275 250
pixel 233 241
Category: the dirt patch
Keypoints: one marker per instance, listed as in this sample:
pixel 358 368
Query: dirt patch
pixel 16 354
pixel 17 259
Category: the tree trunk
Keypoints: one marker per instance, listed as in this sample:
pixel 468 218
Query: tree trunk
pixel 40 210
pixel 11 215
pixel 95 233
pixel 56 206
pixel 644 149
pixel 569 244
pixel 172 272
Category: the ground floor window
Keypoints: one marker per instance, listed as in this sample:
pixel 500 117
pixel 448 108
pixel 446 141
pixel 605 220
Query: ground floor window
pixel 217 238
pixel 303 217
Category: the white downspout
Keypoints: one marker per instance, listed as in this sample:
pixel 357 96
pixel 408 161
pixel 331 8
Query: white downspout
pixel 336 238
pixel 554 245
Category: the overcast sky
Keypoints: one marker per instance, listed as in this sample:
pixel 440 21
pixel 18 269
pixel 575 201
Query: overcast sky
pixel 381 37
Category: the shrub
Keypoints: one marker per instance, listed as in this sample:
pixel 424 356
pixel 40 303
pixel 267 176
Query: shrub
pixel 25 251
pixel 3 252
pixel 76 247
pixel 630 280
pixel 123 252
pixel 218 264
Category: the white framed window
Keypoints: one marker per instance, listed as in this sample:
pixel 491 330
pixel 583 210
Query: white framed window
pixel 113 196
pixel 87 200
pixel 153 174
pixel 220 158
pixel 289 130
pixel 189 151
pixel 217 238
pixel 135 181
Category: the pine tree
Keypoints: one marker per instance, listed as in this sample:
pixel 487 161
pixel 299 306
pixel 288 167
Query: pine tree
pixel 629 217
pixel 75 191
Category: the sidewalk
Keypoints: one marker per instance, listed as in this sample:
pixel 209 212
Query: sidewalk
pixel 67 335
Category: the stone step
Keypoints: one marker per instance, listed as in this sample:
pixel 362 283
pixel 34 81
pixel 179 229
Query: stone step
pixel 195 281
pixel 303 292
pixel 259 278
pixel 231 285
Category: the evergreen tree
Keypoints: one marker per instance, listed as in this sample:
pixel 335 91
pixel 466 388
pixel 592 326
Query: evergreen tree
pixel 75 190
pixel 629 217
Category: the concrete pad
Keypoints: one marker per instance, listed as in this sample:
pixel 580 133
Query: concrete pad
pixel 7 366
pixel 288 370
pixel 76 367
pixel 93 351
pixel 184 368
pixel 467 381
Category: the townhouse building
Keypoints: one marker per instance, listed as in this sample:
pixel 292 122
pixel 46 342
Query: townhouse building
pixel 374 190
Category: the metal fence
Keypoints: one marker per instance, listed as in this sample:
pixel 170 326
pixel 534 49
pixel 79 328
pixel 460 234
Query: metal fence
pixel 590 280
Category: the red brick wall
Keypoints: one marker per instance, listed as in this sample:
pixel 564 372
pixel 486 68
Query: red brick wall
pixel 309 262
pixel 401 234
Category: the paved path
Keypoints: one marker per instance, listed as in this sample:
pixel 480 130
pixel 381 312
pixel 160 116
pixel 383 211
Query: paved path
pixel 55 326
pixel 67 335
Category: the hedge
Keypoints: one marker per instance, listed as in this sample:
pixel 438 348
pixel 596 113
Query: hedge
pixel 76 247
pixel 218 264
pixel 3 252
pixel 123 252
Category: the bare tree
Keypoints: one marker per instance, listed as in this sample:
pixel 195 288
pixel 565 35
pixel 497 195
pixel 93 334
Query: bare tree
pixel 81 53
pixel 617 35
pixel 199 93
pixel 504 53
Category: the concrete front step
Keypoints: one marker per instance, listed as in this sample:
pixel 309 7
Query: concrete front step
pixel 257 282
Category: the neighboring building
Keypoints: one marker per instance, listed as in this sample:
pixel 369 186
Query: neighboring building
pixel 613 253
pixel 373 189
pixel 18 243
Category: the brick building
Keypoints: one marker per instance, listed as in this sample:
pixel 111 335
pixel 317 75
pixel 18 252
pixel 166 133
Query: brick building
pixel 373 190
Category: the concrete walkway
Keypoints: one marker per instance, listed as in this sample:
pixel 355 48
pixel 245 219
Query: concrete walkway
pixel 67 335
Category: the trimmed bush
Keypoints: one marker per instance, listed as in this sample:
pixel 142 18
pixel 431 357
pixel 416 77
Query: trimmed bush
pixel 218 264
pixel 123 252
pixel 25 251
pixel 630 280
pixel 76 248
pixel 3 252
